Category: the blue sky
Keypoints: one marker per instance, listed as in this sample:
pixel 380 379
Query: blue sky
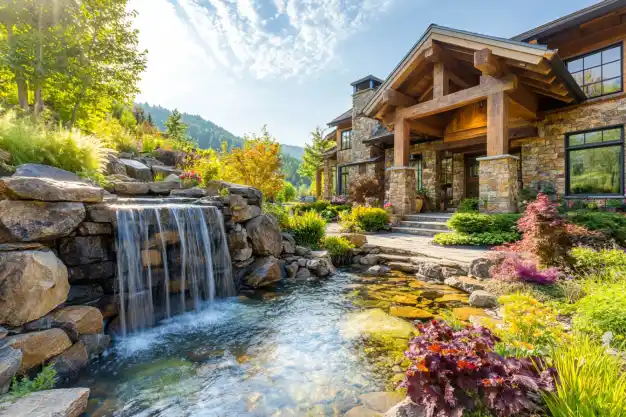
pixel 289 63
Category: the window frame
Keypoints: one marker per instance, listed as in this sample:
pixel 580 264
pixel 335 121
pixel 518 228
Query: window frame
pixel 595 145
pixel 343 146
pixel 417 161
pixel 342 172
pixel 619 45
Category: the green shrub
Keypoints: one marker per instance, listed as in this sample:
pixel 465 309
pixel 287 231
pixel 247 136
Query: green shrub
pixel 475 239
pixel 590 381
pixel 36 143
pixel 279 212
pixel 287 193
pixel 588 260
pixel 339 249
pixel 43 381
pixel 480 223
pixel 568 291
pixel 307 229
pixel 603 310
pixel 115 136
pixel 364 219
pixel 611 224
pixel 468 205
pixel 505 222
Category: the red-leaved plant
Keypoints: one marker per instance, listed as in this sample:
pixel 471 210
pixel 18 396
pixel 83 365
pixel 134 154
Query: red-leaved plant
pixel 456 371
pixel 514 267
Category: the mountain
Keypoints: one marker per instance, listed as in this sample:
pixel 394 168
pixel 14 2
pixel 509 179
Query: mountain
pixel 206 133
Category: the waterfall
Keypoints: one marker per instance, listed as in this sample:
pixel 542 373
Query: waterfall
pixel 171 258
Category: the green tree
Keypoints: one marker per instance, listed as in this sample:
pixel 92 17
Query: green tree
pixel 287 193
pixel 313 153
pixel 176 130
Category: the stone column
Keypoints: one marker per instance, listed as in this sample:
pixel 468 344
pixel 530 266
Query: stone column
pixel 458 177
pixel 498 182
pixel 402 190
pixel 328 183
pixel 431 177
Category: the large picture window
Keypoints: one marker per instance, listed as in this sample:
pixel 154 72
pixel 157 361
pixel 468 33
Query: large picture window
pixel 416 162
pixel 600 72
pixel 595 163
pixel 346 139
pixel 343 180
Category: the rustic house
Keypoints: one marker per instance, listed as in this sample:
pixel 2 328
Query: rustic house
pixel 468 115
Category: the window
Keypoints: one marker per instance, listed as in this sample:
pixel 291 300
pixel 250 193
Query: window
pixel 346 139
pixel 446 170
pixel 415 161
pixel 600 72
pixel 343 180
pixel 594 162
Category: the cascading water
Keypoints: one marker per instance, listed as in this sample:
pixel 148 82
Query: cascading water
pixel 170 258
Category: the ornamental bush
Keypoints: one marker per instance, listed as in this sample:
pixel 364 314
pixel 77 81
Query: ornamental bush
pixel 612 225
pixel 456 371
pixel 515 267
pixel 590 261
pixel 603 310
pixel 482 223
pixel 339 249
pixel 362 187
pixel 475 239
pixel 364 219
pixel 307 229
pixel 468 205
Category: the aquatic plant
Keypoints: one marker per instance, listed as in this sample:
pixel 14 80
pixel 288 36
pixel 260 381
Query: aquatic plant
pixel 456 371
pixel 43 381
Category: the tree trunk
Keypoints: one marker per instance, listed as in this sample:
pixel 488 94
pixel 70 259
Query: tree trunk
pixel 20 80
pixel 39 69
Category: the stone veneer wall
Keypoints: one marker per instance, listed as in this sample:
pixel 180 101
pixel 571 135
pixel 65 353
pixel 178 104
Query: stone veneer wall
pixel 402 190
pixel 543 157
pixel 498 184
pixel 458 178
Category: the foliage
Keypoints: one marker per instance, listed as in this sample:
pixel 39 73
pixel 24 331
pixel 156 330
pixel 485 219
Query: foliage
pixel 279 212
pixel 529 328
pixel 364 219
pixel 475 239
pixel 456 371
pixel 591 381
pixel 468 205
pixel 190 179
pixel 362 187
pixel 115 136
pixel 480 223
pixel 604 310
pixel 256 164
pixel 290 167
pixel 207 165
pixel 33 142
pixel 563 290
pixel 612 225
pixel 337 245
pixel 586 260
pixel 515 267
pixel 287 193
pixel 44 380
pixel 328 211
pixel 307 229
pixel 313 157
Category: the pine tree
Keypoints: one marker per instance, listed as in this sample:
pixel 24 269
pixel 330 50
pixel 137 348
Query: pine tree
pixel 314 153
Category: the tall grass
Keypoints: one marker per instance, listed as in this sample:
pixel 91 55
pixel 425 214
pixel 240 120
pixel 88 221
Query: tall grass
pixel 590 383
pixel 31 142
pixel 307 229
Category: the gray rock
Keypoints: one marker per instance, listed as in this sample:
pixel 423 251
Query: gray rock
pixel 239 209
pixel 378 270
pixel 303 273
pixel 406 408
pixel 82 250
pixel 194 192
pixel 32 284
pixel 238 246
pixel 100 213
pixel 369 260
pixel 46 189
pixel 3 332
pixel 302 251
pixel 403 266
pixel 356 260
pixel 292 269
pixel 264 234
pixel 480 267
pixel 381 401
pixel 431 271
pixel 302 262
pixel 289 244
pixel 92 272
pixel 165 171
pixel 451 272
pixel 10 247
pixel 95 344
pixel 69 363
pixel 361 411
pixel 163 187
pixel 466 284
pixel 27 221
pixel 136 169
pixel 10 361
pixel 94 229
pixel 250 193
pixel 265 271
pixel 45 171
pixel 131 188
pixel 482 298
pixel 114 166
pixel 67 402
pixel 172 178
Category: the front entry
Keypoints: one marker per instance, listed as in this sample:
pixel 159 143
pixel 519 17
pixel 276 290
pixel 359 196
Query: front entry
pixel 472 169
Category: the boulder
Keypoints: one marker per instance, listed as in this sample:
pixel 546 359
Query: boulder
pixel 369 260
pixel 88 320
pixel 169 158
pixel 381 401
pixel 302 251
pixel 482 298
pixel 82 294
pixel 165 171
pixel 27 221
pixel 114 166
pixel 163 187
pixel 38 347
pixel 101 213
pixel 10 361
pixel 292 269
pixel 240 210
pixel 410 312
pixel 430 271
pixel 94 229
pixel 251 194
pixel 466 284
pixel 362 411
pixel 406 408
pixel 172 178
pixel 289 244
pixel 46 171
pixel 131 188
pixel 238 246
pixel 3 332
pixel 32 283
pixel 375 323
pixel 264 271
pixel 195 192
pixel 69 363
pixel 479 268
pixel 46 189
pixel 303 273
pixel 265 236
pixel 137 170
pixel 67 402
pixel 356 239
pixel 82 250
pixel 378 270
pixel 95 344
pixel 403 266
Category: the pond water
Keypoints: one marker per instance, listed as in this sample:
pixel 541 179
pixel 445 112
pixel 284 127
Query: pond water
pixel 290 352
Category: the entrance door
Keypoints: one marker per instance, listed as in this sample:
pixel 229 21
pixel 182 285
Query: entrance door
pixel 472 168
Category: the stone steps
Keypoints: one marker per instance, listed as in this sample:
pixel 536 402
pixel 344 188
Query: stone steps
pixel 424 225
pixel 416 231
pixel 434 217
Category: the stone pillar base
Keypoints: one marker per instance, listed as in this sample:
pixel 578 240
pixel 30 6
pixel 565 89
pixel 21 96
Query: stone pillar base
pixel 402 190
pixel 499 186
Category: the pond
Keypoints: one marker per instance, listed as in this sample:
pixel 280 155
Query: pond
pixel 296 351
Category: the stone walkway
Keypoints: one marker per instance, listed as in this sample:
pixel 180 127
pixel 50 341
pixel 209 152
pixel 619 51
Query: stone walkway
pixel 418 245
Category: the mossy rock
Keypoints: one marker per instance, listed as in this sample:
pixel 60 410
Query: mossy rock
pixel 446 298
pixel 410 312
pixel 376 324
pixel 417 284
pixel 409 299
pixel 372 304
pixel 464 313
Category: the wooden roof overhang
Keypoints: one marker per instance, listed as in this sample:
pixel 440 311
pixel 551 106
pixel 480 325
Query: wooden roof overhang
pixel 476 66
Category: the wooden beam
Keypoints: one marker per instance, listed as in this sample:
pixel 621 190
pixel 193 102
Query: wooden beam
pixel 438 55
pixel 397 99
pixel 545 79
pixel 434 53
pixel 526 103
pixel 425 128
pixel 460 98
pixel 441 82
pixel 523 132
pixel 485 62
pixel 497 124
pixel 566 99
pixel 426 93
pixel 516 133
pixel 557 89
pixel 401 143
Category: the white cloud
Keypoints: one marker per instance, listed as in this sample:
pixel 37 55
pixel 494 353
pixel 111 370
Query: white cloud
pixel 269 38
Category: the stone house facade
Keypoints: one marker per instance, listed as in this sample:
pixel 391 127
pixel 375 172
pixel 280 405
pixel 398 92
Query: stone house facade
pixel 466 115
